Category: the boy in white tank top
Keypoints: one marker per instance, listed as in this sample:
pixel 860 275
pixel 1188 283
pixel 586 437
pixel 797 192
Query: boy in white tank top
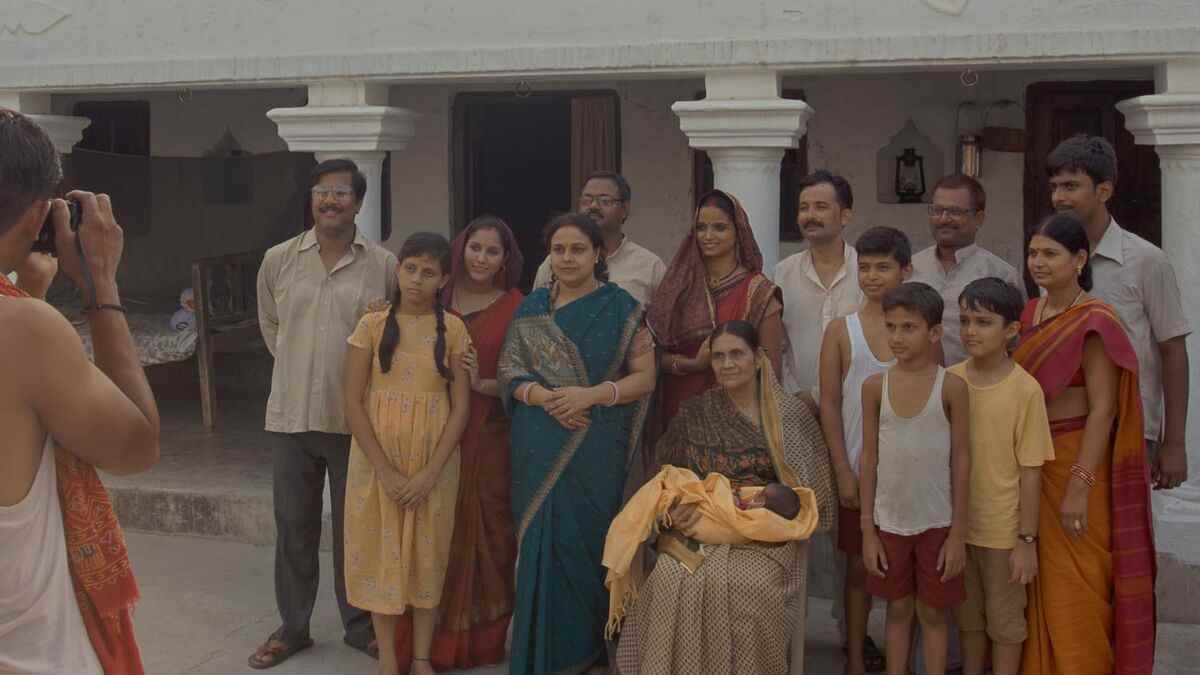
pixel 854 348
pixel 915 471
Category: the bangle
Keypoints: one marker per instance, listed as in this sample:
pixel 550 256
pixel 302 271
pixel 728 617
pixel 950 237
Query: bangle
pixel 524 393
pixel 1083 474
pixel 616 393
pixel 113 308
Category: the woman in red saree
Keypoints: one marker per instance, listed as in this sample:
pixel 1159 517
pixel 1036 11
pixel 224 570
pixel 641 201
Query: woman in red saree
pixel 477 599
pixel 1091 608
pixel 716 276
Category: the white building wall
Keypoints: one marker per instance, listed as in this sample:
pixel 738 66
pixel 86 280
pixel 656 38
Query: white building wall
pixel 186 123
pixel 855 116
pixel 654 157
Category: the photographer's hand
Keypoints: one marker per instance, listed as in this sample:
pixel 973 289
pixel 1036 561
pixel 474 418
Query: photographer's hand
pixel 102 241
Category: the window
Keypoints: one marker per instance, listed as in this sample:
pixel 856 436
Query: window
pixel 792 168
pixel 118 127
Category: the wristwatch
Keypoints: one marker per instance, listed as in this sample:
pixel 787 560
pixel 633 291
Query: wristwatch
pixel 1028 538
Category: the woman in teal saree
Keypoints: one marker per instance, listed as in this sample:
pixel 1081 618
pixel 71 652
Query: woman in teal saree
pixel 576 370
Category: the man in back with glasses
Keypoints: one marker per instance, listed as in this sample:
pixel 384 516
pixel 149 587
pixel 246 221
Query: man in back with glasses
pixel 606 198
pixel 956 214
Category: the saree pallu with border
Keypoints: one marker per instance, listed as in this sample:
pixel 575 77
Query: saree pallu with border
pixel 567 485
pixel 96 556
pixel 477 597
pixel 1091 609
pixel 745 298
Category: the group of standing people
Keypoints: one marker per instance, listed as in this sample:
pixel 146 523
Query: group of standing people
pixel 479 443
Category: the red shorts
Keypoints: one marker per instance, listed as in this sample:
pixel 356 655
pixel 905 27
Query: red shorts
pixel 912 565
pixel 849 534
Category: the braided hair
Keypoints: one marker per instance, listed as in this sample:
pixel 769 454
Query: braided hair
pixel 435 246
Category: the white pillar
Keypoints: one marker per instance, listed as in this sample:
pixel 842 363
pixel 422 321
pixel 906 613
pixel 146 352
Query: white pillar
pixel 64 130
pixel 745 127
pixel 350 120
pixel 1170 121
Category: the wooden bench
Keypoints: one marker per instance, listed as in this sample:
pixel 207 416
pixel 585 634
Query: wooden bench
pixel 225 289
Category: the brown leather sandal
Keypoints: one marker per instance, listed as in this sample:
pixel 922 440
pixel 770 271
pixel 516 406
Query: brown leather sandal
pixel 275 651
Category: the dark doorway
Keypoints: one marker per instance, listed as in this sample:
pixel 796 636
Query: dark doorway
pixel 1055 111
pixel 516 165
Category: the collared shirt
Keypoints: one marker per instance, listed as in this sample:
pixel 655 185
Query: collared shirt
pixel 632 267
pixel 970 263
pixel 306 312
pixel 1135 277
pixel 808 307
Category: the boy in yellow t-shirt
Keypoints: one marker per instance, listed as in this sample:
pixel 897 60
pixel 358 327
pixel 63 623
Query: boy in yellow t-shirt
pixel 1010 440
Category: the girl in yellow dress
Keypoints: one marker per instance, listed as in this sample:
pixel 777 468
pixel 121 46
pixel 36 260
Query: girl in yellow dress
pixel 407 401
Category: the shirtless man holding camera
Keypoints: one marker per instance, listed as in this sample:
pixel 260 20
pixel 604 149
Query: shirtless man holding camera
pixel 52 397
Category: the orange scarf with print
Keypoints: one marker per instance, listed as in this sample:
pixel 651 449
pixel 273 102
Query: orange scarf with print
pixel 97 558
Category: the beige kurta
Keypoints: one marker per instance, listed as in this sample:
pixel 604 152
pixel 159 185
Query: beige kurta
pixel 396 558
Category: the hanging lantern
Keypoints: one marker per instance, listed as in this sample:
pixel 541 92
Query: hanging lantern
pixel 970 156
pixel 910 176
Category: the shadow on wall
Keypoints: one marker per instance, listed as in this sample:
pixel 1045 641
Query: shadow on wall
pixel 177 209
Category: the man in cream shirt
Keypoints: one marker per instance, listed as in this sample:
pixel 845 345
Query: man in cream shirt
pixel 606 198
pixel 820 283
pixel 955 215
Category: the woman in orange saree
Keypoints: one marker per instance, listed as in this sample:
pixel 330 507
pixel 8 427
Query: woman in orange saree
pixel 477 598
pixel 1091 608
pixel 716 276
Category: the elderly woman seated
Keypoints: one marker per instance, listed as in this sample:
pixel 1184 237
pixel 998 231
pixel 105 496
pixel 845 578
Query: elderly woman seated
pixel 729 608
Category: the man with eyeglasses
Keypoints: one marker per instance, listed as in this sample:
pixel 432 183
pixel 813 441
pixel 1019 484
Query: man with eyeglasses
pixel 312 291
pixel 955 215
pixel 606 198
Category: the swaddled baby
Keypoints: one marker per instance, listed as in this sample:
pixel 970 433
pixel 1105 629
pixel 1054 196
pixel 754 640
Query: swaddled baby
pixel 725 516
pixel 774 497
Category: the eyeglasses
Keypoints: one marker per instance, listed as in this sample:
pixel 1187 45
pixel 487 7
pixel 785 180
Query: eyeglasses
pixel 338 191
pixel 603 200
pixel 951 211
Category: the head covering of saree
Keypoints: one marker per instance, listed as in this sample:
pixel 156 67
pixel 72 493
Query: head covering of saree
pixel 682 309
pixel 509 275
pixel 96 556
pixel 1053 353
pixel 789 431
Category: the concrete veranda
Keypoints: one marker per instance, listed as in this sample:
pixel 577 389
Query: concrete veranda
pixel 206 605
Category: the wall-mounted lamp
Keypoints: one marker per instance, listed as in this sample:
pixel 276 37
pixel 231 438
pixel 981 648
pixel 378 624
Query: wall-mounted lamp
pixel 910 176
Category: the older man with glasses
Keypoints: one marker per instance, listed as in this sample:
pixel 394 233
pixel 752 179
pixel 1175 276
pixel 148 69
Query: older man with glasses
pixel 312 290
pixel 606 198
pixel 955 216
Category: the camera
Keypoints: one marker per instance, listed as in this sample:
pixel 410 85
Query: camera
pixel 45 240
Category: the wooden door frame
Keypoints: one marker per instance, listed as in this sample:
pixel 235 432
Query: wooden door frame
pixel 460 182
pixel 1034 179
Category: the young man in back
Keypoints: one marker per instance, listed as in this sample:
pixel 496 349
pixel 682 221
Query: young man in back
pixel 53 398
pixel 913 485
pixel 1010 441
pixel 854 348
pixel 1136 278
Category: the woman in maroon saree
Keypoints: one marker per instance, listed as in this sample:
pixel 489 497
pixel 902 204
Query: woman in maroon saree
pixel 715 277
pixel 477 599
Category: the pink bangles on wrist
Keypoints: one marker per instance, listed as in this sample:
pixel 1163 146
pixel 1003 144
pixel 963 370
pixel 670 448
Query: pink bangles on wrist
pixel 616 393
pixel 1088 478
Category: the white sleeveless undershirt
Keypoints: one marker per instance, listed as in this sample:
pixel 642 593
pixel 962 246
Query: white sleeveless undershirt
pixel 863 364
pixel 41 630
pixel 912 487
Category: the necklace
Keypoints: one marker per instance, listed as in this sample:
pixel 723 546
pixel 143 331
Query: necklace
pixel 713 283
pixel 1041 315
